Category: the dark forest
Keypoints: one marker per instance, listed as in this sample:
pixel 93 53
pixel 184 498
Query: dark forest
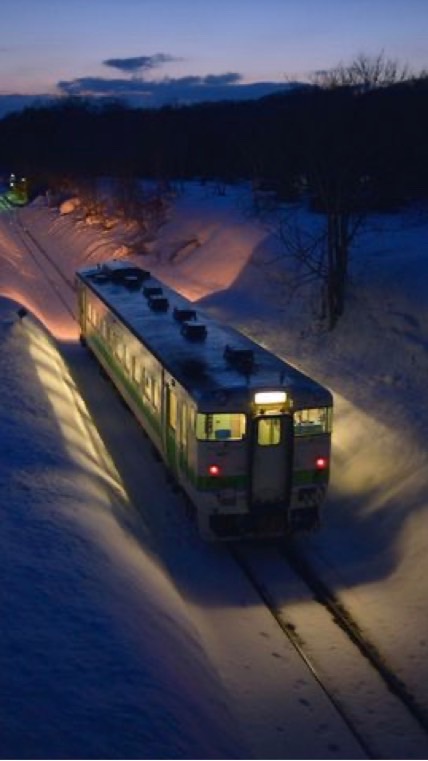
pixel 362 149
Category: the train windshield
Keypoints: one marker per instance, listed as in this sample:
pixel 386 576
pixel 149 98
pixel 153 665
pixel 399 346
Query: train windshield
pixel 221 426
pixel 312 421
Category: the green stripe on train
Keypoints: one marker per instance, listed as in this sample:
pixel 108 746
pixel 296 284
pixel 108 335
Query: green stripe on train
pixel 303 477
pixel 212 483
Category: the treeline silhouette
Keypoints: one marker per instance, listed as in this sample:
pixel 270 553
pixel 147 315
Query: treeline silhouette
pixel 366 148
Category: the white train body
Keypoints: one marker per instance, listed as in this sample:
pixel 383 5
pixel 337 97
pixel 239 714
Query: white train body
pixel 246 435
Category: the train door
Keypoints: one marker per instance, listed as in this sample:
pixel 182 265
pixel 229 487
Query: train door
pixel 271 461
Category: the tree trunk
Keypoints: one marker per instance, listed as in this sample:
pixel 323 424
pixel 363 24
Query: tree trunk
pixel 337 256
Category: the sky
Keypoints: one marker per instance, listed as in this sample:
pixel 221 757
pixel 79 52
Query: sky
pixel 123 634
pixel 167 51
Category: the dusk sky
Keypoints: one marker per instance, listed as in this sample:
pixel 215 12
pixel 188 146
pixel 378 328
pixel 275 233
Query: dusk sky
pixel 155 51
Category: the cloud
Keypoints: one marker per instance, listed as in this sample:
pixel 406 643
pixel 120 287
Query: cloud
pixel 95 86
pixel 139 63
pixel 183 90
pixel 140 93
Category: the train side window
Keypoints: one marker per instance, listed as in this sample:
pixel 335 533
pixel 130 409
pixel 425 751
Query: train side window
pixel 221 426
pixel 112 337
pixel 136 371
pixel 104 324
pixel 127 359
pixel 268 431
pixel 148 386
pixel 93 315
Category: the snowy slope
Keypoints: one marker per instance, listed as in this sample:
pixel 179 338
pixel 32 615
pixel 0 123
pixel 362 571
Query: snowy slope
pixel 372 545
pixel 91 622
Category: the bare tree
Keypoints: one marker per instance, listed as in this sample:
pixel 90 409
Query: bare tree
pixel 321 256
pixel 365 73
pixel 338 157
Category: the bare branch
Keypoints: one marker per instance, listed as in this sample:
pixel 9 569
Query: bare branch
pixel 365 72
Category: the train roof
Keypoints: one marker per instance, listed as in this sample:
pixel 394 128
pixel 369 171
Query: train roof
pixel 202 354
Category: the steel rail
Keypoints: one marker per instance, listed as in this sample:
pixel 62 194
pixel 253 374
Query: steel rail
pixel 22 231
pixel 349 626
pixel 289 630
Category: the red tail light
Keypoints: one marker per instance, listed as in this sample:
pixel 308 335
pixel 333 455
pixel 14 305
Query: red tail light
pixel 321 463
pixel 214 470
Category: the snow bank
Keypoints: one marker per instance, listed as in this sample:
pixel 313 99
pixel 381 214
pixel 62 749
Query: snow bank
pixel 70 205
pixel 94 631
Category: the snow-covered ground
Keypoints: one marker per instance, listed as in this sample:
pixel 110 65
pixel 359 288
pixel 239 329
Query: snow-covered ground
pixel 124 635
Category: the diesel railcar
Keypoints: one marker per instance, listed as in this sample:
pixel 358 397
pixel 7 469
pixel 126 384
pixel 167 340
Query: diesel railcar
pixel 246 435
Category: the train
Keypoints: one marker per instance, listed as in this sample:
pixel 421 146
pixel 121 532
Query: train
pixel 245 435
pixel 17 194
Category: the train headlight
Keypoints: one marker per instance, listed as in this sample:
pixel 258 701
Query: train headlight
pixel 214 470
pixel 270 397
pixel 321 463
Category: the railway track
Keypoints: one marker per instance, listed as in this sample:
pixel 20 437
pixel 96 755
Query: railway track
pixel 52 273
pixel 346 622
pixel 350 670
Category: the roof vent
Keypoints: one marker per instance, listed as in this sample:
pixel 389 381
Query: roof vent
pixel 241 359
pixel 121 272
pixel 184 315
pixel 158 303
pixel 99 276
pixel 152 290
pixel 132 281
pixel 194 331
